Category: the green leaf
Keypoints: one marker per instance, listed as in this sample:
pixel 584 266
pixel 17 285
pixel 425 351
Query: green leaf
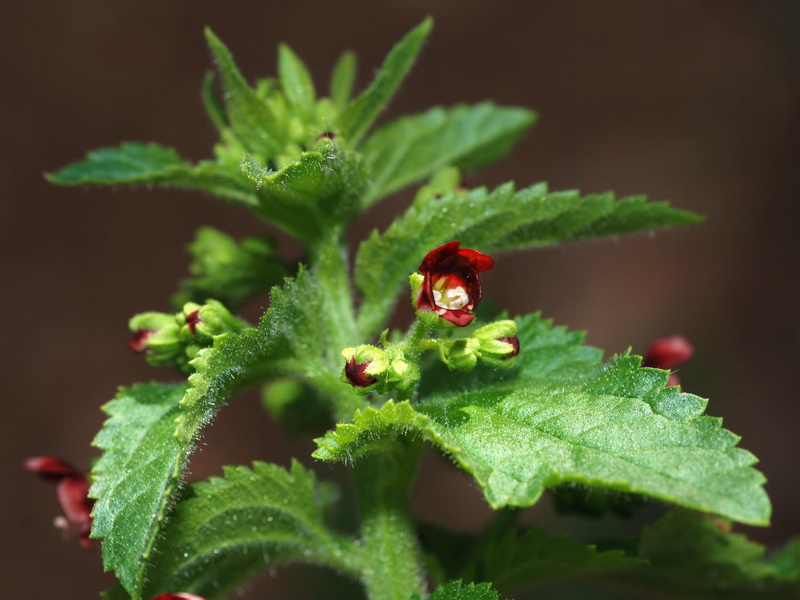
pixel 455 590
pixel 135 478
pixel 251 118
pixel 697 556
pixel 519 559
pixel 133 163
pixel 362 112
pixel 213 103
pixel 227 529
pixel 503 219
pixel 412 148
pixel 311 197
pixel 296 82
pixel 344 75
pixel 561 416
pixel 229 271
pixel 288 341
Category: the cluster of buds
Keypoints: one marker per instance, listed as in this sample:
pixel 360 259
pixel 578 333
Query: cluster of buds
pixel 175 339
pixel 495 344
pixel 369 368
pixel 72 491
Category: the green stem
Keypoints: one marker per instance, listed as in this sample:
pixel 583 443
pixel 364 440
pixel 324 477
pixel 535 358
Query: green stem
pixel 330 269
pixel 392 569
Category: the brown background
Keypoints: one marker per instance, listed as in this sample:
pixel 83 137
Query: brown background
pixel 695 102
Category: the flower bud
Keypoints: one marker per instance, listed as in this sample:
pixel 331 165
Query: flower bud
pixel 364 364
pixel 499 344
pixel 461 354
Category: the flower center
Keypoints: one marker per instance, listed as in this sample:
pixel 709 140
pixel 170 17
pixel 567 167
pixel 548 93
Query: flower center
pixel 450 298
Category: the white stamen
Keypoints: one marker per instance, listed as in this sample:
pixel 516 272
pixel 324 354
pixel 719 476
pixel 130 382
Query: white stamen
pixel 452 299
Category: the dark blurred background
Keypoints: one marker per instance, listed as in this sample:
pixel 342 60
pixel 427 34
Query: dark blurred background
pixel 690 101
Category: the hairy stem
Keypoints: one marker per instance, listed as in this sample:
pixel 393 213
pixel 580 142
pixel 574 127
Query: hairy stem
pixel 391 550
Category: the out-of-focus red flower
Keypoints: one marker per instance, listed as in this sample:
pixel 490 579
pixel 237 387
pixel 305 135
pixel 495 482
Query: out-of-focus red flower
pixel 668 352
pixel 72 491
pixel 179 596
pixel 451 287
pixel 192 320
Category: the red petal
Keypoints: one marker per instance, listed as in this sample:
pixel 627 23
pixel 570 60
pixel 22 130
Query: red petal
pixel 458 317
pixel 74 500
pixel 51 467
pixel 668 352
pixel 478 260
pixel 437 255
pixel 179 596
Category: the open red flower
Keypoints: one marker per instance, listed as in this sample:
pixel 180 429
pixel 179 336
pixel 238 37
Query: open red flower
pixel 72 491
pixel 451 287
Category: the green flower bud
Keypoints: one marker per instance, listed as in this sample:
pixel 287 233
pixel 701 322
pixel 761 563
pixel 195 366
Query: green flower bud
pixel 461 354
pixel 499 344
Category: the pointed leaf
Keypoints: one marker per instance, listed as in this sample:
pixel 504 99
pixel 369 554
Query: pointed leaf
pixel 133 163
pixel 227 529
pixel 362 112
pixel 558 418
pixel 229 271
pixel 344 75
pixel 413 148
pixel 135 478
pixel 213 103
pixel 503 219
pixel 296 82
pixel 251 118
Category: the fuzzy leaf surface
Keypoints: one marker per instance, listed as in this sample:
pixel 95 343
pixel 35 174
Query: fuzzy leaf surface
pixel 561 416
pixel 308 198
pixel 135 478
pixel 693 555
pixel 133 163
pixel 456 590
pixel 229 271
pixel 503 219
pixel 412 148
pixel 227 529
pixel 357 117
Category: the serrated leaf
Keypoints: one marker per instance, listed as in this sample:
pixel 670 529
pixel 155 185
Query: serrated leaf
pixel 229 271
pixel 312 196
pixel 251 118
pixel 557 418
pixel 456 590
pixel 287 340
pixel 413 148
pixel 503 219
pixel 359 115
pixel 227 529
pixel 296 82
pixel 697 556
pixel 133 163
pixel 134 479
pixel 342 79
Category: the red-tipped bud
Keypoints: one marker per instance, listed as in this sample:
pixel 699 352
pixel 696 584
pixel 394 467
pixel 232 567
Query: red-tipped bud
pixel 354 372
pixel 192 320
pixel 179 596
pixel 138 341
pixel 513 341
pixel 451 287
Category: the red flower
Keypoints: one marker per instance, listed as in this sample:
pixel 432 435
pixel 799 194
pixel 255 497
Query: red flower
pixel 72 491
pixel 451 287
pixel 668 352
